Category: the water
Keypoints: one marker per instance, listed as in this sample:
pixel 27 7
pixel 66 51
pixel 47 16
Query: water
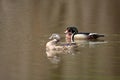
pixel 94 61
pixel 91 60
pixel 25 26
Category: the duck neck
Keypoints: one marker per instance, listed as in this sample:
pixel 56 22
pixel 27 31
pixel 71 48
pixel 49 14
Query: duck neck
pixel 72 37
pixel 55 41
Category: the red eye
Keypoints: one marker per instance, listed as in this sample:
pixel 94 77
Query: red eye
pixel 69 30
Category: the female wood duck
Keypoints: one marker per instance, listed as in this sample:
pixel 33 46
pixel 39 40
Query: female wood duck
pixel 73 34
pixel 52 44
pixel 53 47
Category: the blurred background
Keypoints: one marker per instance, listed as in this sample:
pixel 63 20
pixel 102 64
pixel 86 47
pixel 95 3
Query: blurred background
pixel 25 26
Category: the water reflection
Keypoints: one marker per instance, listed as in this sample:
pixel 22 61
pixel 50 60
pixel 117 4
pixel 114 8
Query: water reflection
pixel 54 59
pixel 90 43
pixel 55 55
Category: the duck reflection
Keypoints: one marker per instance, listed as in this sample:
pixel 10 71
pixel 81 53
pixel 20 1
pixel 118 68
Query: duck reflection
pixel 89 43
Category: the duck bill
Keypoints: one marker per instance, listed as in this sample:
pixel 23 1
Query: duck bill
pixel 50 37
pixel 66 31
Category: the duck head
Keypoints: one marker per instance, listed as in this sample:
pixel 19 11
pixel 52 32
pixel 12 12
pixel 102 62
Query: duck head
pixel 72 30
pixel 69 32
pixel 55 37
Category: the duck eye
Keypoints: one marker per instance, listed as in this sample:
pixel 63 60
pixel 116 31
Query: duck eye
pixel 69 30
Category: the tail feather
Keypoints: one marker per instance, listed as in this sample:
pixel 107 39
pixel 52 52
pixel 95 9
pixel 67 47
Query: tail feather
pixel 95 35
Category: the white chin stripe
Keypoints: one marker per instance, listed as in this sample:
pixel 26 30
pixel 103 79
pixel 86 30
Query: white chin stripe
pixel 66 31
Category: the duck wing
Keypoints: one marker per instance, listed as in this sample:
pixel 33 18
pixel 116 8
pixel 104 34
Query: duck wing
pixel 85 33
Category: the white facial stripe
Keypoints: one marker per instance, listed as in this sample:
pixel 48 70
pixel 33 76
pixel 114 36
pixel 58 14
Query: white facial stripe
pixel 66 31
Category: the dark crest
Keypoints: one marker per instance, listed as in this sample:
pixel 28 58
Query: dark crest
pixel 72 29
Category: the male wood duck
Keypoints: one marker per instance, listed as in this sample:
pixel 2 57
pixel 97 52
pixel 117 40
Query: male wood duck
pixel 72 34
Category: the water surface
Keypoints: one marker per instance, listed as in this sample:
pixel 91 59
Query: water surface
pixel 25 26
